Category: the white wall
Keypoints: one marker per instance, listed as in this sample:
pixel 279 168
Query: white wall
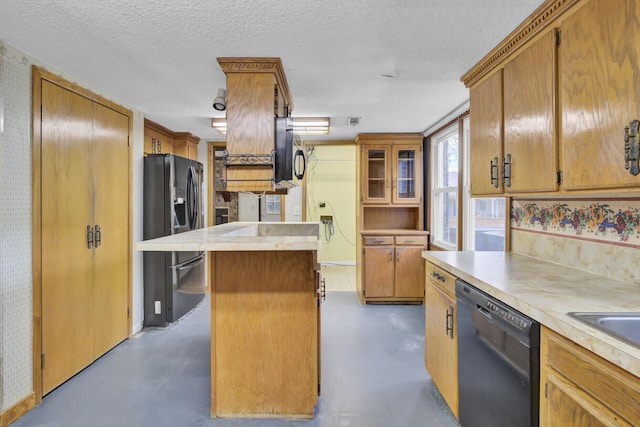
pixel 248 207
pixel 16 282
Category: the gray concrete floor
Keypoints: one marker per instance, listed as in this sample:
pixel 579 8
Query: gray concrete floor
pixel 372 375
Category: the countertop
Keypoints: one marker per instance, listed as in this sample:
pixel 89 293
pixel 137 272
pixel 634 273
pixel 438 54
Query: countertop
pixel 546 292
pixel 241 236
pixel 394 232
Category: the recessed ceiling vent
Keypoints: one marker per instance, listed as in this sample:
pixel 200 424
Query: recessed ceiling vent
pixel 353 121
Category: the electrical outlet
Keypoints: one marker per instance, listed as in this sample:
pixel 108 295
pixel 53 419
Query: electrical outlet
pixel 326 218
pixel 158 307
pixel 297 210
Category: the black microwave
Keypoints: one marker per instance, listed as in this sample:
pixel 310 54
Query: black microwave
pixel 287 164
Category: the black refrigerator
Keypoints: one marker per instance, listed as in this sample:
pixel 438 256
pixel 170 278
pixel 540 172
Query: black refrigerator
pixel 174 282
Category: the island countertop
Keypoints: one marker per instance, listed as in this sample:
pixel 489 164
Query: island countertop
pixel 241 236
pixel 546 292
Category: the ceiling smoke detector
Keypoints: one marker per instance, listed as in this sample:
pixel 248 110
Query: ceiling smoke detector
pixel 353 121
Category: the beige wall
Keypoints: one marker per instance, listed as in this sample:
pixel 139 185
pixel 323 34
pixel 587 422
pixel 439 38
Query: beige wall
pixel 331 178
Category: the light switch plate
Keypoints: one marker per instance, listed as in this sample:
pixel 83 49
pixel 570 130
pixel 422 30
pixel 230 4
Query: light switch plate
pixel 158 307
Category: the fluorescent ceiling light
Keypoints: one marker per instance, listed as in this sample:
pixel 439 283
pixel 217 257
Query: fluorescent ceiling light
pixel 311 125
pixel 301 125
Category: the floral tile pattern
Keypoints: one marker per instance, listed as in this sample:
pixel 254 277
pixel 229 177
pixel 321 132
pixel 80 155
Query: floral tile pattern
pixel 603 220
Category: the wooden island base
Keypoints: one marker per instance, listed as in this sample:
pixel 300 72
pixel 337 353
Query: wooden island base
pixel 264 334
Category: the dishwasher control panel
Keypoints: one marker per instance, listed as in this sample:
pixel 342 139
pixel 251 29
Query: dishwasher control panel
pixel 516 320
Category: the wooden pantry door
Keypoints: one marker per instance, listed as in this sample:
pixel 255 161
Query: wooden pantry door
pixel 67 334
pixel 110 177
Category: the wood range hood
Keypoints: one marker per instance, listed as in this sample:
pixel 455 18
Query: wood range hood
pixel 257 93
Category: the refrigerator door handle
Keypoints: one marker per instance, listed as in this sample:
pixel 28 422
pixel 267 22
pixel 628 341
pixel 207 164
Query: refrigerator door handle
pixel 189 264
pixel 192 198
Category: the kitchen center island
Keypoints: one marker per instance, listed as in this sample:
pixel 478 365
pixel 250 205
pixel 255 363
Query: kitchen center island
pixel 265 315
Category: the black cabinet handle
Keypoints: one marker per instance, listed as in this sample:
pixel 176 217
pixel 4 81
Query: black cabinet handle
pixel 449 323
pixel 437 276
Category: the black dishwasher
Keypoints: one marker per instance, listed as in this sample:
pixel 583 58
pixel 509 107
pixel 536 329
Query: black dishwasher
pixel 498 362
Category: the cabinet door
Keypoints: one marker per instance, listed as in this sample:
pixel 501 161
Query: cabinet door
pixel 565 406
pixel 378 271
pixel 110 176
pixel 376 180
pixel 409 271
pixel 486 136
pixel 441 349
pixel 407 174
pixel 529 119
pixel 67 331
pixel 599 93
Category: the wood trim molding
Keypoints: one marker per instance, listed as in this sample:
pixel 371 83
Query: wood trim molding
pixel 362 137
pixel 187 137
pixel 148 124
pixel 539 20
pixel 458 119
pixel 259 65
pixel 19 409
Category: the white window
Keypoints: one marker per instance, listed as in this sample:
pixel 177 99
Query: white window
pixel 484 217
pixel 444 188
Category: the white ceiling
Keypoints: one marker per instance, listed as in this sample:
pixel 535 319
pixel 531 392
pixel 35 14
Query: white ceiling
pixel 394 63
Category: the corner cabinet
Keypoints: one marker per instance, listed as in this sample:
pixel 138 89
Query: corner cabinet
pixel 441 333
pixel 578 388
pixel 390 218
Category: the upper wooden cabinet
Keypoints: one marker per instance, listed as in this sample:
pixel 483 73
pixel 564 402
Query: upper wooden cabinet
pixel 599 93
pixel 160 140
pixel 513 137
pixel 530 150
pixel 570 86
pixel 391 169
pixel 486 136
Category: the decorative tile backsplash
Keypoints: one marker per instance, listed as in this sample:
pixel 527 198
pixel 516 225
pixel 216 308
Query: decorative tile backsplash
pixel 612 221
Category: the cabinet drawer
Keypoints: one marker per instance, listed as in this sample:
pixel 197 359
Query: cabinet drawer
pixel 614 387
pixel 378 240
pixel 411 240
pixel 441 278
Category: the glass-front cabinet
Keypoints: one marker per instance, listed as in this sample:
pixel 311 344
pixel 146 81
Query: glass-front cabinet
pixel 391 174
pixel 406 186
pixel 377 182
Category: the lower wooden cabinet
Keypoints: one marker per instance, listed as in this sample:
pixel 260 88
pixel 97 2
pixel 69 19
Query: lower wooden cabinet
pixel 393 268
pixel 578 388
pixel 441 334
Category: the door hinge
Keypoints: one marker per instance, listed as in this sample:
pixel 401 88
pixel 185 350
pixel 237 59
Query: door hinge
pixel 128 312
pixel 559 177
pixel 41 360
pixel 129 141
pixel 318 389
pixel 558 38
pixel 364 292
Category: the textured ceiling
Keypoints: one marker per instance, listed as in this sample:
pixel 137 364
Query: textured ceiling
pixel 394 63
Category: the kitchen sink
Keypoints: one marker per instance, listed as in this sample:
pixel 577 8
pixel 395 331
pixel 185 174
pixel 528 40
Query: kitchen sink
pixel 625 326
